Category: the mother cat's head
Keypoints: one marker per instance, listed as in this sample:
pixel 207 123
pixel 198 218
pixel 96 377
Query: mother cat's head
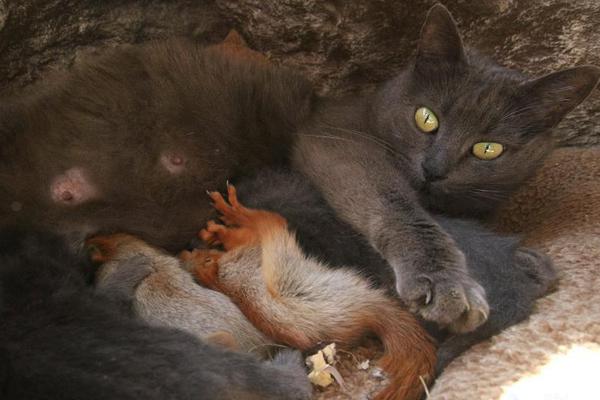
pixel 468 131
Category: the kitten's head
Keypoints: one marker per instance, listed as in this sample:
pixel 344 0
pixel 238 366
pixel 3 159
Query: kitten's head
pixel 468 131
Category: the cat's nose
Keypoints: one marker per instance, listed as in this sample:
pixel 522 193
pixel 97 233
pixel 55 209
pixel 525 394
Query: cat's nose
pixel 431 173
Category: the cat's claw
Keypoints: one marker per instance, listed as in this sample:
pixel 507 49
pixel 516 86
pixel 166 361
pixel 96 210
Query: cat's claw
pixel 449 297
pixel 428 297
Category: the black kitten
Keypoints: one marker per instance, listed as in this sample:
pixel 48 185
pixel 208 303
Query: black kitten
pixel 512 277
pixel 60 340
pixel 452 134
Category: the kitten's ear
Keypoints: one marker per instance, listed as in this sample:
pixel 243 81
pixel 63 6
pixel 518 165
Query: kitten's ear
pixel 551 97
pixel 440 41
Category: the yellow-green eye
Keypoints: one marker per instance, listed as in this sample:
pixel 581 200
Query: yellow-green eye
pixel 487 150
pixel 426 120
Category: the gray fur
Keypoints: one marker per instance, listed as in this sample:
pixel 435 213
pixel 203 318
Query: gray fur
pixel 513 277
pixel 365 188
pixel 162 293
pixel 385 177
pixel 122 281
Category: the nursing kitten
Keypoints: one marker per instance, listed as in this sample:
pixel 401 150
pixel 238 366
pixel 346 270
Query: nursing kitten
pixel 453 134
pixel 61 340
pixel 132 139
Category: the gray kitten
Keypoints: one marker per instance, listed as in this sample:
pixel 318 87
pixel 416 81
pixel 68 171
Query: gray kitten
pixel 453 134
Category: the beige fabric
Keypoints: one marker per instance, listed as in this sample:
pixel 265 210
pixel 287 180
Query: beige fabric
pixel 555 354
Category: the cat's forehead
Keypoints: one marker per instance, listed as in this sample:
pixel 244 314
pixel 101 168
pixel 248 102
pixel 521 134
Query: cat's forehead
pixel 485 96
pixel 466 85
pixel 476 95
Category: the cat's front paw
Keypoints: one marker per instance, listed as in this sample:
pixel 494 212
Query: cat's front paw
pixel 448 297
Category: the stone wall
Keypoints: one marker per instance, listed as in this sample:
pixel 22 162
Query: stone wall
pixel 342 45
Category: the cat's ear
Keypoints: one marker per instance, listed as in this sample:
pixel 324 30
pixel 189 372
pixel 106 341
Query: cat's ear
pixel 440 41
pixel 551 97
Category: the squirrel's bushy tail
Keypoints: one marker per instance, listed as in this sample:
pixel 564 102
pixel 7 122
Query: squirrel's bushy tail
pixel 409 353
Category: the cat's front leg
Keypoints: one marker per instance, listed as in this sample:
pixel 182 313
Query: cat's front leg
pixel 431 273
pixel 369 193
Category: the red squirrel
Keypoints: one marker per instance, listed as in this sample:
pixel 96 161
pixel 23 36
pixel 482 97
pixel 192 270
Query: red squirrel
pixel 298 301
pixel 161 293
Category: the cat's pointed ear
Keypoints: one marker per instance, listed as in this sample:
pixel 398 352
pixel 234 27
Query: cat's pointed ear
pixel 440 41
pixel 551 97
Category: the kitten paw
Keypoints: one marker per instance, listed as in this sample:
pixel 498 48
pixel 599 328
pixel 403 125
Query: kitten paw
pixel 538 267
pixel 449 297
pixel 293 374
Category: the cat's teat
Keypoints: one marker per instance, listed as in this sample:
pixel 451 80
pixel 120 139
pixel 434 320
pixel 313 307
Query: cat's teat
pixel 173 162
pixel 73 187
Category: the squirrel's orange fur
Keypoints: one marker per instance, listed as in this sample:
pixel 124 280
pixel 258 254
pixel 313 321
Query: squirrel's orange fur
pixel 235 46
pixel 299 302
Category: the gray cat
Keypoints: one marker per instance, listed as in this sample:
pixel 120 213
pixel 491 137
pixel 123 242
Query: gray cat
pixel 453 134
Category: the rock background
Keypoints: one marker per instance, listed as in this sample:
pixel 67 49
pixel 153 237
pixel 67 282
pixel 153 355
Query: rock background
pixel 342 45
